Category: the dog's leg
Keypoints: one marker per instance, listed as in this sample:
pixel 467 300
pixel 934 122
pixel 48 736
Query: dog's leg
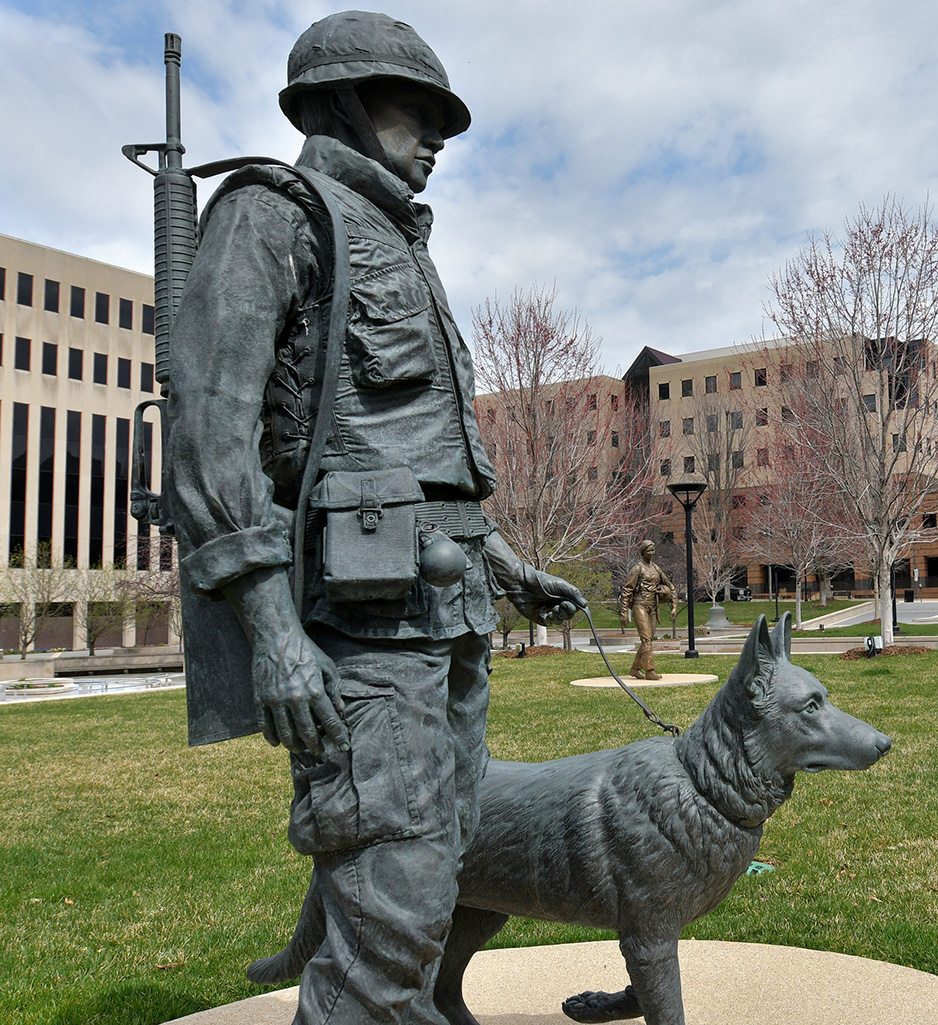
pixel 594 1006
pixel 655 972
pixel 471 930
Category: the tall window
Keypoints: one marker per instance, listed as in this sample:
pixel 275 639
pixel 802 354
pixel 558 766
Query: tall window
pixel 77 302
pixel 711 384
pixel 760 378
pixel 687 388
pixel 664 390
pixel 24 289
pixel 72 483
pixel 689 464
pixel 687 425
pixel 51 298
pixel 20 447
pixel 143 529
pixel 96 511
pixel 125 313
pixel 146 379
pixel 76 360
pixel 123 372
pixel 736 380
pixel 22 354
pixel 50 358
pixel 102 308
pixel 147 320
pixel 46 476
pixel 166 552
pixel 3 283
pixel 121 489
pixel 99 372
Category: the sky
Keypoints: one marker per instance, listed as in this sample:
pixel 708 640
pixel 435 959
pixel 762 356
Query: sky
pixel 655 161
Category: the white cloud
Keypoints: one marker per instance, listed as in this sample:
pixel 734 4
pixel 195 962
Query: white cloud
pixel 656 159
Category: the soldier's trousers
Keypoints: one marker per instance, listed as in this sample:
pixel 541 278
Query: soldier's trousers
pixel 645 623
pixel 388 823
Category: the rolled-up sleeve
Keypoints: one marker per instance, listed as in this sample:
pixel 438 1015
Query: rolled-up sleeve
pixel 255 266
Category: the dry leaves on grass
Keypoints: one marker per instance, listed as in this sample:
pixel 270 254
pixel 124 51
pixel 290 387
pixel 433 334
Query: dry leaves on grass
pixel 532 651
pixel 852 654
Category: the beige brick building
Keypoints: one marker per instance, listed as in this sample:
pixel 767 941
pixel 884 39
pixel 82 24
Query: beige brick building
pixel 743 390
pixel 76 357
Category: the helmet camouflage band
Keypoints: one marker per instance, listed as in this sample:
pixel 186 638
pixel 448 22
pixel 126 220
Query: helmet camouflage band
pixel 356 46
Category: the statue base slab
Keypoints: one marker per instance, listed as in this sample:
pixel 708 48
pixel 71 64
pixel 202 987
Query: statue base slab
pixel 723 984
pixel 667 680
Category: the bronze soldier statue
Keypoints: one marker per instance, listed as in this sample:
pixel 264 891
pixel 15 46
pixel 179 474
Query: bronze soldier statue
pixel 370 635
pixel 646 586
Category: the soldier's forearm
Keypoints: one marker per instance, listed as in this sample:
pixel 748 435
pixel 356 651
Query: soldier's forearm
pixel 263 604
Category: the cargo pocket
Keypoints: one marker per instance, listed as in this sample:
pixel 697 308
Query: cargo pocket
pixel 389 340
pixel 360 797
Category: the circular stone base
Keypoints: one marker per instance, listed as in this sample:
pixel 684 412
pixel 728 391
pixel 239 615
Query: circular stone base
pixel 40 688
pixel 667 680
pixel 723 984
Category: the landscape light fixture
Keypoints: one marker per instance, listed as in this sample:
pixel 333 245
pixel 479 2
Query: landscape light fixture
pixel 688 493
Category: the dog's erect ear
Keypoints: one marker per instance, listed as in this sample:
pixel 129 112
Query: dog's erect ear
pixel 781 638
pixel 757 649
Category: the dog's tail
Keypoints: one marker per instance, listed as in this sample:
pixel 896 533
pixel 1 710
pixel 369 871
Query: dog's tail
pixel 289 963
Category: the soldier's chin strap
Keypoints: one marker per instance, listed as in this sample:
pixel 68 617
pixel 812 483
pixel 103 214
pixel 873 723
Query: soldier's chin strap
pixel 354 110
pixel 649 714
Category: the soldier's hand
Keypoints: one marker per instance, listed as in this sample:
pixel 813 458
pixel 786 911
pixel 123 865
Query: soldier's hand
pixel 296 693
pixel 544 598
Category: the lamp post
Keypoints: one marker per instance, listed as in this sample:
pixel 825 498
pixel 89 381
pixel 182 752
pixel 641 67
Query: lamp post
pixel 688 494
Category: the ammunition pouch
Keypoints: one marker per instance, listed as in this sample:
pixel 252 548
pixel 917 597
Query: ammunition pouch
pixel 369 541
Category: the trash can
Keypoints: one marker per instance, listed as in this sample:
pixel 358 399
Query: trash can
pixel 909 594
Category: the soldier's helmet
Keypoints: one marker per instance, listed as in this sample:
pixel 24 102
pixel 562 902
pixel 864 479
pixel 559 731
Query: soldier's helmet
pixel 355 46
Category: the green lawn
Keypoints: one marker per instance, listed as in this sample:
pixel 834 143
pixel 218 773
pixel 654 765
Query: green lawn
pixel 138 877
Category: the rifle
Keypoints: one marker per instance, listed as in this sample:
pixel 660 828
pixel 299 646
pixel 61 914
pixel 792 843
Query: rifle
pixel 219 689
pixel 219 692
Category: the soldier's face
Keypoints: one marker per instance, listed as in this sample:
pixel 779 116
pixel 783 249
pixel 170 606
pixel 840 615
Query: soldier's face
pixel 408 122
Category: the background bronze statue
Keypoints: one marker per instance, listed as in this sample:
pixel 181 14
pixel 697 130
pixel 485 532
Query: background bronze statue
pixel 646 587
pixel 327 474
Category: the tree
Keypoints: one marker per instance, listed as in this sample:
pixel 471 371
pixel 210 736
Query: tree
pixel 35 583
pixel 107 600
pixel 795 521
pixel 154 593
pixel 861 308
pixel 595 583
pixel 569 445
pixel 718 438
pixel 508 618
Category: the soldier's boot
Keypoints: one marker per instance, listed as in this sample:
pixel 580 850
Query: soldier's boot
pixel 650 673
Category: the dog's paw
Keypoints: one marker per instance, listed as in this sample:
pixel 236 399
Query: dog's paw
pixel 591 1007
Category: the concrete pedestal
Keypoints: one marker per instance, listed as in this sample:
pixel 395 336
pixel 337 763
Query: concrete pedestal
pixel 723 983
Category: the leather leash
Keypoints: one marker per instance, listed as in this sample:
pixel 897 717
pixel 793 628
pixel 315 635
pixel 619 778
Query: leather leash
pixel 649 714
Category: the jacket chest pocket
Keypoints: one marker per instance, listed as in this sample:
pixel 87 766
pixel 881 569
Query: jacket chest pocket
pixel 389 330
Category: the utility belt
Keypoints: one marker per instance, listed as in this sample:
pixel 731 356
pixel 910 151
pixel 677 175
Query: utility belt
pixel 379 533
